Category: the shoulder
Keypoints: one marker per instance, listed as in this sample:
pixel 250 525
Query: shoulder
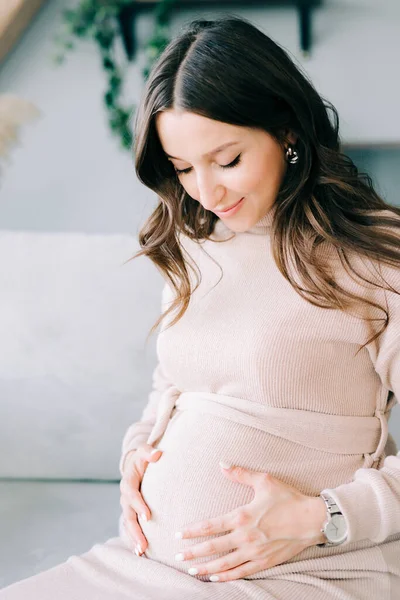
pixel 387 269
pixel 370 264
pixel 367 276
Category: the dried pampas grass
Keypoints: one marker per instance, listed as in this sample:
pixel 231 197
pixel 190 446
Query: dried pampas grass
pixel 14 112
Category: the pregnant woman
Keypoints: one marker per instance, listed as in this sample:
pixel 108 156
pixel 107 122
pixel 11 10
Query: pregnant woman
pixel 262 467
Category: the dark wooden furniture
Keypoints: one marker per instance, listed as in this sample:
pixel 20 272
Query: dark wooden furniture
pixel 304 8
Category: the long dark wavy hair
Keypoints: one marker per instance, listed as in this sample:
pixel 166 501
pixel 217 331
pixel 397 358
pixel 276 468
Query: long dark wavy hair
pixel 228 70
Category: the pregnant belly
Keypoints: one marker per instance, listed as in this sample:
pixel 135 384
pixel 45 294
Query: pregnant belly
pixel 186 485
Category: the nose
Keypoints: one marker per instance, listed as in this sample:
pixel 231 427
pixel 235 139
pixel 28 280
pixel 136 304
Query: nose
pixel 210 192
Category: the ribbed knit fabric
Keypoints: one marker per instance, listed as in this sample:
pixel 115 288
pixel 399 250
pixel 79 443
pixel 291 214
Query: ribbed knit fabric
pixel 255 375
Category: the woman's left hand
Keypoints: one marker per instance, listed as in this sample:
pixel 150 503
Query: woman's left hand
pixel 276 525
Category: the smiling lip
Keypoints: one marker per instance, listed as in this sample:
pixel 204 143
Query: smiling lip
pixel 229 210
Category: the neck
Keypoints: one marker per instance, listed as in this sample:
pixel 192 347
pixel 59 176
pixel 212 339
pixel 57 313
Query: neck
pixel 263 226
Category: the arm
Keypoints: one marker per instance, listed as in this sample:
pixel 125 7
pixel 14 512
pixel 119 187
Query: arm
pixel 371 501
pixel 138 432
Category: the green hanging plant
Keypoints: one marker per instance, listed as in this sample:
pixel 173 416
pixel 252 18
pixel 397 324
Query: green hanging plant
pixel 98 21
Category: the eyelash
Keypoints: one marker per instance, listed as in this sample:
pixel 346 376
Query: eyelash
pixel 234 163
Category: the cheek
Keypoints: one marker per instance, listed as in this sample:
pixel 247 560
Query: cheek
pixel 189 185
pixel 265 176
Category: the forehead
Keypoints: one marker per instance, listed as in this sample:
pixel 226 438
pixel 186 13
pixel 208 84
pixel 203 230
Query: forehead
pixel 185 134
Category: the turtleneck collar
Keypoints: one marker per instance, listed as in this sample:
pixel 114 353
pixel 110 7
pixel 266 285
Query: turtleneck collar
pixel 262 227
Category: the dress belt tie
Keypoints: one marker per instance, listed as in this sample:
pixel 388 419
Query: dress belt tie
pixel 336 434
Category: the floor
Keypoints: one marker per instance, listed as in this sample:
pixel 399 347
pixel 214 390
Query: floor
pixel 43 523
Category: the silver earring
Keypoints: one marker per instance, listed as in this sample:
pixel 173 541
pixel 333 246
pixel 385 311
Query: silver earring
pixel 291 155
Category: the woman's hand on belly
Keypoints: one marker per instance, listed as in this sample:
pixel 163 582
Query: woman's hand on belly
pixel 279 523
pixel 131 499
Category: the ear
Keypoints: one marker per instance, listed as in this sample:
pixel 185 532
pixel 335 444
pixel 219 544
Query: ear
pixel 290 136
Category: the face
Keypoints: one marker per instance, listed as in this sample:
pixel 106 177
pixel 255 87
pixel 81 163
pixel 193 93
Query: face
pixel 251 166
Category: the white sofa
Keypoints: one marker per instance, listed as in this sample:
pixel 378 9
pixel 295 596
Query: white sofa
pixel 75 371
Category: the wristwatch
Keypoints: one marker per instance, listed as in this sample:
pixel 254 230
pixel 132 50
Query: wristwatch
pixel 335 527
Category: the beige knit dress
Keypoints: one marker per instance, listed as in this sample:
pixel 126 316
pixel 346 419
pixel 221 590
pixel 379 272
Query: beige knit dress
pixel 255 375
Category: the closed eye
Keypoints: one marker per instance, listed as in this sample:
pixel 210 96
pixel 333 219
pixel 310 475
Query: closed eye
pixel 232 164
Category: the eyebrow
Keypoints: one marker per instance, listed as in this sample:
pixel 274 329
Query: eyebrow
pixel 212 152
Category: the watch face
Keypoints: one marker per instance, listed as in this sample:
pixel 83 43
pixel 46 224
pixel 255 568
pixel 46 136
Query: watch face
pixel 336 530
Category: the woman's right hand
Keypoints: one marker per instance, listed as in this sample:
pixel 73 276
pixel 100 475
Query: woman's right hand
pixel 131 501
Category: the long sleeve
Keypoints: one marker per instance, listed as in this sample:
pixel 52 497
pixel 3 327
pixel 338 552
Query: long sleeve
pixel 371 501
pixel 138 432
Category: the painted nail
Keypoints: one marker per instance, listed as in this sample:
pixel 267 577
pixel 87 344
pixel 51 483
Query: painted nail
pixel 225 465
pixel 179 535
pixel 193 571
pixel 179 556
pixel 214 578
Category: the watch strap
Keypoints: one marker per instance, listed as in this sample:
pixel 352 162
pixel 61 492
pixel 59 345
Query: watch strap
pixel 331 509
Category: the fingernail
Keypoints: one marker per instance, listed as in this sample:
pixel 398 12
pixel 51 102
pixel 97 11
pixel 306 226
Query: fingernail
pixel 179 535
pixel 139 548
pixel 144 517
pixel 179 556
pixel 214 578
pixel 137 552
pixel 193 571
pixel 154 451
pixel 225 465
